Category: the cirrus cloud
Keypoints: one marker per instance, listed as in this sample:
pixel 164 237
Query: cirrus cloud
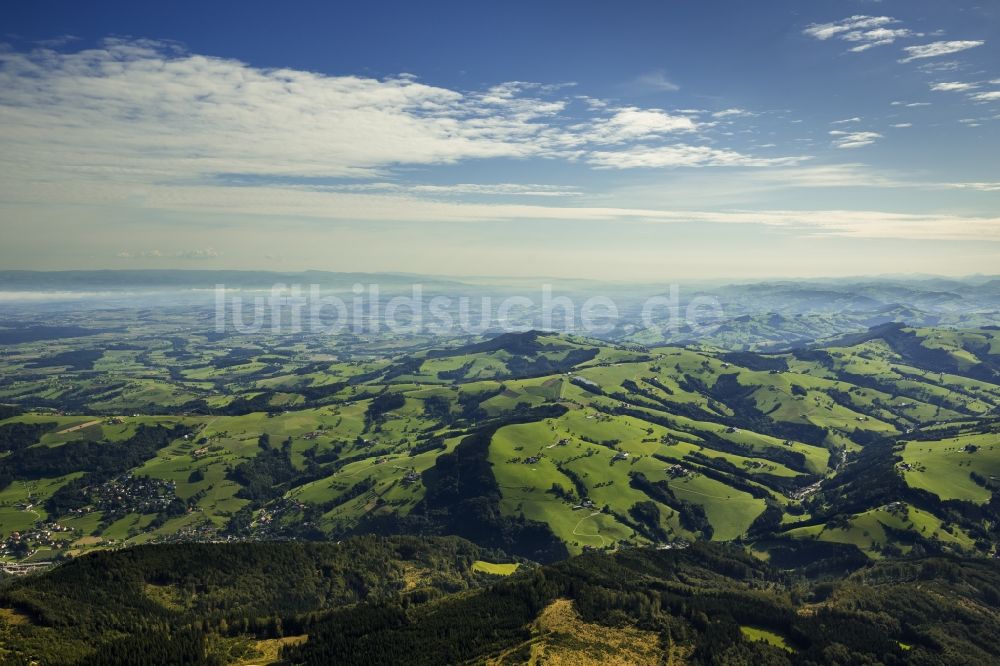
pixel 854 139
pixel 681 155
pixel 935 49
pixel 863 31
pixel 953 86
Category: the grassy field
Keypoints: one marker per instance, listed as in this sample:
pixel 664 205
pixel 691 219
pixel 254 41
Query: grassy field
pixel 945 466
pixel 758 634
pixel 526 487
pixel 501 569
pixel 869 531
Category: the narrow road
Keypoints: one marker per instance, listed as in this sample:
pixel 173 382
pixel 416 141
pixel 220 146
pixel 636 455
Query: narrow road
pixel 78 427
pixel 598 534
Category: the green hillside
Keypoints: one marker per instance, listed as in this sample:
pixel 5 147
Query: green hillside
pixel 574 444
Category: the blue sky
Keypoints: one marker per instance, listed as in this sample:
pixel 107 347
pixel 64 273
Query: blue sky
pixel 651 140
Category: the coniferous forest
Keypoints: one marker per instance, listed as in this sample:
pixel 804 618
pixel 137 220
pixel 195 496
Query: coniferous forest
pixel 376 600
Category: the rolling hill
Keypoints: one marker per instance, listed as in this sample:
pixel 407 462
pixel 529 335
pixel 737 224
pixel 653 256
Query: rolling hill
pixel 537 444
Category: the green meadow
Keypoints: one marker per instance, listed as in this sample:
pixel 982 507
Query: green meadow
pixel 280 434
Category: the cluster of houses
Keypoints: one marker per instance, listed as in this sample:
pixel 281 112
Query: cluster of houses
pixel 677 470
pixel 22 544
pixel 268 522
pixel 895 507
pixel 133 494
pixel 204 532
pixel 674 544
pixel 126 494
pixel 806 491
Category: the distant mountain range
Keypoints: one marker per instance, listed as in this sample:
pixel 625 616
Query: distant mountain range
pixel 763 316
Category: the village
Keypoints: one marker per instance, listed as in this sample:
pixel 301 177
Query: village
pixel 132 494
pixel 23 544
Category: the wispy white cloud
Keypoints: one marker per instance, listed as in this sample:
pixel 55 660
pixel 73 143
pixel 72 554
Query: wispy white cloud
pixel 824 31
pixel 732 113
pixel 863 31
pixel 949 86
pixel 877 37
pixel 456 189
pixel 867 32
pixel 631 123
pixel 979 187
pixel 853 175
pixel 936 49
pixel 991 96
pixel 902 125
pixel 822 222
pixel 651 82
pixel 143 108
pixel 854 139
pixel 848 175
pixel 934 67
pixel 594 103
pixel 152 128
pixel 136 119
pixel 681 155
pixel 845 121
pixel 298 204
